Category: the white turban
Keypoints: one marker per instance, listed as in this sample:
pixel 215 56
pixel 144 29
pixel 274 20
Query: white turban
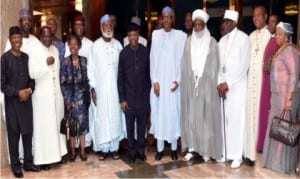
pixel 198 13
pixel 232 15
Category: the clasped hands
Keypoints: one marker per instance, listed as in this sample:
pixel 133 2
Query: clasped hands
pixel 24 94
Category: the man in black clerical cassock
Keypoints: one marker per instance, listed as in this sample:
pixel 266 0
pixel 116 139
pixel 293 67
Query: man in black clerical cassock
pixel 17 87
pixel 134 90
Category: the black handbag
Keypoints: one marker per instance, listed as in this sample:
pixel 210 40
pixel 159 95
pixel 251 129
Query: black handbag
pixel 285 131
pixel 69 126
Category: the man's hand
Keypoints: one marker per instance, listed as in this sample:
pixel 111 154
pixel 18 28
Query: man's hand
pixel 175 84
pixel 69 107
pixel 124 106
pixel 23 95
pixel 222 90
pixel 50 60
pixel 156 89
pixel 94 97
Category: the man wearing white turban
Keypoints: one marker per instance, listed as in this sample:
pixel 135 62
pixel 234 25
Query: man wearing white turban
pixel 201 121
pixel 102 73
pixel 232 85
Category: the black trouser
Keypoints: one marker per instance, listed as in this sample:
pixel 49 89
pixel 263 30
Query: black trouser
pixel 139 145
pixel 13 143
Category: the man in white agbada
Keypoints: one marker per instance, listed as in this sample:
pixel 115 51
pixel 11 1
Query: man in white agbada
pixel 29 42
pixel 47 101
pixel 86 46
pixel 165 57
pixel 102 72
pixel 258 41
pixel 234 50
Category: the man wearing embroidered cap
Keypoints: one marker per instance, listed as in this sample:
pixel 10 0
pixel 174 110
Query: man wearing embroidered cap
pixel 258 41
pixel 165 58
pixel 136 20
pixel 201 121
pixel 102 71
pixel 17 87
pixel 47 101
pixel 29 42
pixel 234 56
pixel 52 22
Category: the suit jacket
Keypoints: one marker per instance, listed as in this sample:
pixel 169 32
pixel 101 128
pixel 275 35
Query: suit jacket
pixel 14 77
pixel 134 79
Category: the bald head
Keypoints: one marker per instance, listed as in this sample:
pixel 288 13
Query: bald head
pixel 259 17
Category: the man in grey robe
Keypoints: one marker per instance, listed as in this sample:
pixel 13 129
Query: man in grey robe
pixel 201 124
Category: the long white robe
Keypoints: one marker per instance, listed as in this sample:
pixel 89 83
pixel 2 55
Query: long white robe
pixel 165 60
pixel 258 41
pixel 102 73
pixel 28 45
pixel 234 51
pixel 86 46
pixel 48 107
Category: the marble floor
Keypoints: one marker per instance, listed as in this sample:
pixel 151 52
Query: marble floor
pixel 166 168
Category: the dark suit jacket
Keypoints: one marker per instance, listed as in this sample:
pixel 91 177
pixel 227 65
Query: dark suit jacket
pixel 14 77
pixel 134 79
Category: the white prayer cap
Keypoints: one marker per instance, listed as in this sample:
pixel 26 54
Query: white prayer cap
pixel 286 27
pixel 198 13
pixel 136 20
pixel 232 15
pixel 168 10
pixel 105 18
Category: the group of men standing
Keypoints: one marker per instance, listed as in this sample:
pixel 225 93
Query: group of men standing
pixel 206 92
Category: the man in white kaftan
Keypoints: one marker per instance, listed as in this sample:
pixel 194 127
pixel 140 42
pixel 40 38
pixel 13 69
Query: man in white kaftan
pixel 234 50
pixel 258 41
pixel 165 60
pixel 47 101
pixel 102 72
pixel 85 49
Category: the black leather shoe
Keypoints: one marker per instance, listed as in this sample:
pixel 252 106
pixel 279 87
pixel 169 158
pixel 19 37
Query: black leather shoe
pixel 142 156
pixel 131 158
pixel 45 167
pixel 32 168
pixel 159 155
pixel 18 173
pixel 174 155
pixel 249 162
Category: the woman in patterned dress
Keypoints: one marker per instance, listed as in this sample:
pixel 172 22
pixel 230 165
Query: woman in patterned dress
pixel 75 89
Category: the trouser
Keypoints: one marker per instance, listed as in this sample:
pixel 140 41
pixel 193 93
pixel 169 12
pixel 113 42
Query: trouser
pixel 13 144
pixel 112 146
pixel 161 145
pixel 139 145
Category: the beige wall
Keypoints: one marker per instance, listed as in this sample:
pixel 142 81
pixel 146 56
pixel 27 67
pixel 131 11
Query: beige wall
pixel 9 16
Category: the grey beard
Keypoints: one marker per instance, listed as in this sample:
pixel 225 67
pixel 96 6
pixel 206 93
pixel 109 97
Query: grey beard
pixel 199 34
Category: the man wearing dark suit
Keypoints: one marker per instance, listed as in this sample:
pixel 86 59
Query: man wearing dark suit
pixel 134 90
pixel 17 87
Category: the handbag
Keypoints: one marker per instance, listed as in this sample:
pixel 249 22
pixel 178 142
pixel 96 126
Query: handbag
pixel 69 126
pixel 285 131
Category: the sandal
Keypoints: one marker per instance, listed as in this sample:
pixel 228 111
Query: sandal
pixel 103 156
pixel 115 155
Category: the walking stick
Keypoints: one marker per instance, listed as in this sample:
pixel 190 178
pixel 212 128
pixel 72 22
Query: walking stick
pixel 224 120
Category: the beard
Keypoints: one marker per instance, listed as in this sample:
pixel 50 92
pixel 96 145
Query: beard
pixel 108 33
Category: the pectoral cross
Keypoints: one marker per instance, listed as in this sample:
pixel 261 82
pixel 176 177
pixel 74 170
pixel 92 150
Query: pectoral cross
pixel 256 50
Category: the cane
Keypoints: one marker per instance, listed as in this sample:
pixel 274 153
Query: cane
pixel 224 120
